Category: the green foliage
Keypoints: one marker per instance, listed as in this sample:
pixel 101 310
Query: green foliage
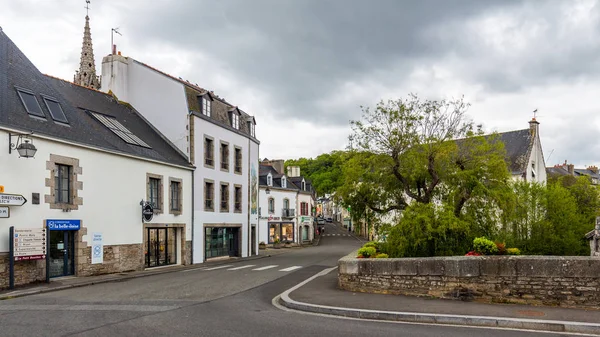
pixel 501 248
pixel 513 251
pixel 371 244
pixel 324 171
pixel 427 231
pixel 382 256
pixel 484 246
pixel 367 252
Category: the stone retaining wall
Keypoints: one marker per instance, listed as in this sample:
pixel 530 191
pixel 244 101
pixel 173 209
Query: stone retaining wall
pixel 548 280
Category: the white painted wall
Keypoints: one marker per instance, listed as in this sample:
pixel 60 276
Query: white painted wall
pixel 206 128
pixel 308 219
pixel 537 163
pixel 113 186
pixel 253 160
pixel 278 195
pixel 159 98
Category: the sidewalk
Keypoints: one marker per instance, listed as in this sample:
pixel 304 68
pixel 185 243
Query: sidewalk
pixel 320 294
pixel 73 282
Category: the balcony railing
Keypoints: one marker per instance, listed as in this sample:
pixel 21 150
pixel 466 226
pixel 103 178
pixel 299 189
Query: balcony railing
pixel 288 213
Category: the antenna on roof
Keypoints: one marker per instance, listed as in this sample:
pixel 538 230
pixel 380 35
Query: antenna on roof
pixel 112 46
pixel 550 155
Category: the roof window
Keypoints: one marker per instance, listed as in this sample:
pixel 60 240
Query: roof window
pixel 55 109
pixel 118 129
pixel 31 103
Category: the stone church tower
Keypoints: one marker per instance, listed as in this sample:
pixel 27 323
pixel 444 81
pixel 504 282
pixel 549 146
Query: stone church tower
pixel 86 75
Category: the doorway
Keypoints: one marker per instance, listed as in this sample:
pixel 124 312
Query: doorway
pixel 161 246
pixel 62 253
pixel 253 240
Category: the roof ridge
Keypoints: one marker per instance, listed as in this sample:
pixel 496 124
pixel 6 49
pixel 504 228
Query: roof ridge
pixel 75 84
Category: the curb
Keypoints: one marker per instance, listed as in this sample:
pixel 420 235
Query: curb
pixel 428 318
pixel 125 277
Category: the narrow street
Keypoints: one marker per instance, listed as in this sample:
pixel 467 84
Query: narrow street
pixel 228 300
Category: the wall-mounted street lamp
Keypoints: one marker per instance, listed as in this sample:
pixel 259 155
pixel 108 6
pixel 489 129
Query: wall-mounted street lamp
pixel 23 145
pixel 268 191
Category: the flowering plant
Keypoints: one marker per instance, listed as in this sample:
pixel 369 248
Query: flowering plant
pixel 472 253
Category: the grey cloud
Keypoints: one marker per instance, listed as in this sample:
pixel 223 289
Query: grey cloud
pixel 301 52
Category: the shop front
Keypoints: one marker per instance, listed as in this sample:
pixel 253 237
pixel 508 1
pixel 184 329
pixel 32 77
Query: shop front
pixel 222 241
pixel 163 244
pixel 61 251
pixel 281 232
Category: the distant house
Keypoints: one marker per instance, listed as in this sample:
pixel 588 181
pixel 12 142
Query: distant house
pixel 565 169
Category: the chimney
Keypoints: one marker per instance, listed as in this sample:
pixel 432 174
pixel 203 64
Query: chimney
pixel 593 169
pixel 571 169
pixel 293 171
pixel 278 165
pixel 534 127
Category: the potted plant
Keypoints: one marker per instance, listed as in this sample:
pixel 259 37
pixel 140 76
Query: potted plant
pixel 287 244
pixel 262 245
pixel 276 243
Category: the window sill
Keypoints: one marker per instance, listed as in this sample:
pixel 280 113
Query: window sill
pixel 209 166
pixel 175 212
pixel 225 170
pixel 209 210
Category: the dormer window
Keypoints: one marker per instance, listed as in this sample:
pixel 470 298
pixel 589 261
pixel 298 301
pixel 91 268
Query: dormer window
pixel 303 185
pixel 269 180
pixel 206 105
pixel 235 120
pixel 252 127
pixel 283 182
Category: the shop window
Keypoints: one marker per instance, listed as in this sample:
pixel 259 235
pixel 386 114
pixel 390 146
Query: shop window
pixel 224 197
pixel 209 192
pixel 284 232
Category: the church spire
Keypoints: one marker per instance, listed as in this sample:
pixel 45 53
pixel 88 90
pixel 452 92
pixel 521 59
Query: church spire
pixel 86 75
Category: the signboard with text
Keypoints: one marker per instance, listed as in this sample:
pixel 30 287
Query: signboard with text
pixel 12 200
pixel 4 212
pixel 97 248
pixel 63 225
pixel 29 243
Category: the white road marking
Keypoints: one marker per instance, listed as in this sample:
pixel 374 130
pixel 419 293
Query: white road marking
pixel 219 267
pixel 242 267
pixel 266 267
pixel 291 268
pixel 185 271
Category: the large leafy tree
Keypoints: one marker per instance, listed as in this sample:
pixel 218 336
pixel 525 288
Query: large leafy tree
pixel 414 143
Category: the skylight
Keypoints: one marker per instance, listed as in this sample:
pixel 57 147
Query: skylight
pixel 115 126
pixel 31 103
pixel 56 110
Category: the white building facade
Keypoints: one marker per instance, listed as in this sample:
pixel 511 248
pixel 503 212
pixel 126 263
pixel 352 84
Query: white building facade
pixel 217 137
pixel 96 161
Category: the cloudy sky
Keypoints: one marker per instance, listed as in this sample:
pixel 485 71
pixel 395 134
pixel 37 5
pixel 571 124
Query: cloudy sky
pixel 305 67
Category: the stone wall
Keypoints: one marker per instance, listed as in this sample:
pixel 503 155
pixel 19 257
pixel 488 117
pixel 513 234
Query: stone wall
pixel 25 271
pixel 547 280
pixel 117 259
pixel 187 253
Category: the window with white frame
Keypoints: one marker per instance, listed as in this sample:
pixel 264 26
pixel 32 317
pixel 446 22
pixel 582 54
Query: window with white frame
pixel 206 106
pixel 283 182
pixel 235 120
pixel 269 180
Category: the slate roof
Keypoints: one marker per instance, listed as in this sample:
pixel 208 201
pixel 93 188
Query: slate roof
pixel 518 145
pixel 264 170
pixel 556 171
pixel 16 70
pixel 587 172
pixel 219 108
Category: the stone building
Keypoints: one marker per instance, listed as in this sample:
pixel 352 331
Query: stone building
pixel 95 159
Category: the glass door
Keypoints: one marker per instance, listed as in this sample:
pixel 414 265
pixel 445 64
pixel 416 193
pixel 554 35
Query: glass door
pixel 161 247
pixel 61 253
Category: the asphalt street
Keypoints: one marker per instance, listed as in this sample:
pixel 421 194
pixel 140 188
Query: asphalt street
pixel 229 300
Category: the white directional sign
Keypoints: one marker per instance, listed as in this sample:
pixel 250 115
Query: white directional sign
pixel 30 243
pixel 4 212
pixel 12 199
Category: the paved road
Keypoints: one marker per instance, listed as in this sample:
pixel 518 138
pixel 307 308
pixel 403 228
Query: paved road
pixel 230 300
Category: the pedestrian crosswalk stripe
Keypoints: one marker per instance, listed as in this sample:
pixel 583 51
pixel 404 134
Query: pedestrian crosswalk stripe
pixel 219 267
pixel 266 267
pixel 242 267
pixel 291 268
pixel 188 270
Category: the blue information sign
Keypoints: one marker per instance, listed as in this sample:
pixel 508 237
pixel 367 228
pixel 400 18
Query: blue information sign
pixel 63 225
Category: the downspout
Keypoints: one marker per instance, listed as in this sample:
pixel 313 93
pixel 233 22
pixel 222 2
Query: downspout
pixel 193 211
pixel 249 209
